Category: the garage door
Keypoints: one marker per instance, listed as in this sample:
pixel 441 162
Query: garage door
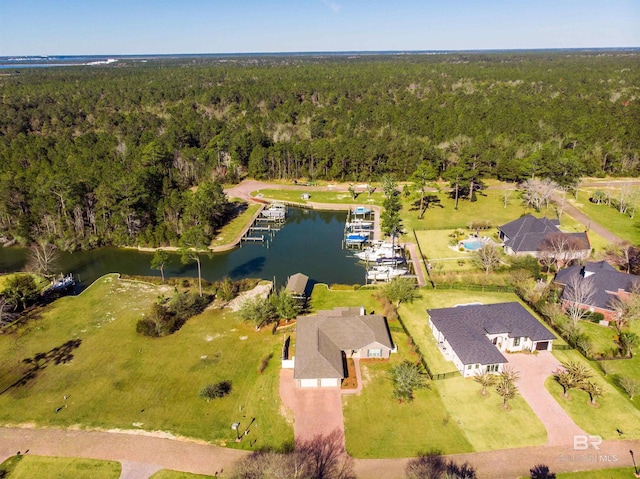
pixel 542 345
pixel 328 382
pixel 308 383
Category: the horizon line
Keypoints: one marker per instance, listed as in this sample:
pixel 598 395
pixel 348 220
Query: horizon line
pixel 318 52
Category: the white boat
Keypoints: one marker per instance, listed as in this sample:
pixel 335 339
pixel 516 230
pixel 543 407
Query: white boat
pixel 385 273
pixel 362 224
pixel 384 250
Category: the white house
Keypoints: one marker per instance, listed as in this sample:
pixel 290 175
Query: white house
pixel 475 336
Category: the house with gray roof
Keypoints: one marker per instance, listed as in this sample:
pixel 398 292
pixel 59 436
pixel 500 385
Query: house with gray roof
pixel 527 234
pixel 325 340
pixel 606 283
pixel 475 336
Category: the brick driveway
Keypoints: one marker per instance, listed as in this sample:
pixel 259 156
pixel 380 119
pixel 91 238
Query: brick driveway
pixel 316 410
pixel 534 369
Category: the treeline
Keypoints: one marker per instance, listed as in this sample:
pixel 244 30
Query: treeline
pixel 112 154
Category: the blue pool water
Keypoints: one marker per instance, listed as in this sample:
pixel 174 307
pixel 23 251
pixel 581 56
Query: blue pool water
pixel 472 245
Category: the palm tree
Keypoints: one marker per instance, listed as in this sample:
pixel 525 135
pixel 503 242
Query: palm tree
pixel 507 389
pixel 594 390
pixel 565 379
pixel 485 379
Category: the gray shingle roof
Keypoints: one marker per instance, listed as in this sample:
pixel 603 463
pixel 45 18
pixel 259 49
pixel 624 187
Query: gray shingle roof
pixel 466 329
pixel 321 339
pixel 605 278
pixel 297 284
pixel 528 233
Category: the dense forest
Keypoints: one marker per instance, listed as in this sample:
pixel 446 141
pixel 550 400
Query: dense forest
pixel 111 154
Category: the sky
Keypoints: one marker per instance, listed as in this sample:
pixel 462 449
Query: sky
pixel 130 27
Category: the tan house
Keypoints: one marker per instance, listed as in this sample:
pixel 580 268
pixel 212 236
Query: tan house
pixel 324 341
pixel 474 336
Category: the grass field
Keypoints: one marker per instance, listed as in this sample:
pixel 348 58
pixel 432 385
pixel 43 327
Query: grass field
pixel 613 473
pixel 231 230
pixel 625 368
pixel 115 378
pixel 169 474
pixel 376 425
pixel 487 425
pixel 30 467
pixel 619 223
pixel 330 197
pixel 614 411
pixel 443 215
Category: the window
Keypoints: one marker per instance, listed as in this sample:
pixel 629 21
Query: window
pixel 374 353
pixel 492 368
pixel 477 366
pixel 469 366
pixel 516 341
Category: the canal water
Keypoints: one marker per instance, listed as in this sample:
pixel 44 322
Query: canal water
pixel 310 242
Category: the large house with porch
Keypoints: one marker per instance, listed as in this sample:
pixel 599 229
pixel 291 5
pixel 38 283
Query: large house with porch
pixel 325 340
pixel 475 336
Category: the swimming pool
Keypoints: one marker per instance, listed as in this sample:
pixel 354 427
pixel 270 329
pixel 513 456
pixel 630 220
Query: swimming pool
pixel 472 245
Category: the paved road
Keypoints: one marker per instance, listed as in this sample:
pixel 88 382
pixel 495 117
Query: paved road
pixel 143 455
pixel 590 224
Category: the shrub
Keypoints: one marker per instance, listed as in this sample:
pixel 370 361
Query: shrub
pixel 595 317
pixel 264 362
pixel 216 390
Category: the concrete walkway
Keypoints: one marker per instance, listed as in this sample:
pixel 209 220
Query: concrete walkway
pixel 534 370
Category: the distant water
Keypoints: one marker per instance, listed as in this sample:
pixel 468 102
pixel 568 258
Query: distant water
pixel 44 61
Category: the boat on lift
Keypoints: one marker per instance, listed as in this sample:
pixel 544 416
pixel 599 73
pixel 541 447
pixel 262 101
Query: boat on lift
pixel 382 250
pixel 386 273
pixel 356 238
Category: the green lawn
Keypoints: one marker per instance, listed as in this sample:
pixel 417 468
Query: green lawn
pixel 325 298
pixel 376 425
pixel 613 473
pixel 600 336
pixel 331 197
pixel 485 422
pixel 614 411
pixel 229 232
pixel 169 474
pixel 29 467
pixel 619 223
pixel 443 215
pixel 625 368
pixel 118 379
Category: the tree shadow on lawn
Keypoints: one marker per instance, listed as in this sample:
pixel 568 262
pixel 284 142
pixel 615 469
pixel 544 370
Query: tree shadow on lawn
pixel 59 355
